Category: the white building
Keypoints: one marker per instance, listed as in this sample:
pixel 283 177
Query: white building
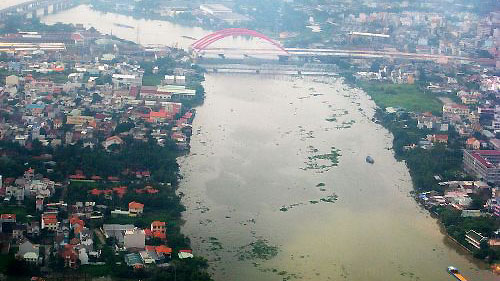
pixel 214 9
pixel 120 80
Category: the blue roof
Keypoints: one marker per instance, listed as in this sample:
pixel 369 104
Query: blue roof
pixel 33 106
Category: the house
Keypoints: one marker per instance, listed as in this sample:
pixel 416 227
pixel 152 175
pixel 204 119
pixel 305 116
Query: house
pixel 438 138
pixel 28 251
pixel 135 209
pixel 33 229
pixel 31 258
pixel 134 238
pixel 18 231
pixel 475 239
pixel 49 221
pixel 472 143
pixel 69 255
pixel 114 140
pixel 116 231
pixel 185 254
pixel 158 229
pixel 160 253
pixel 134 260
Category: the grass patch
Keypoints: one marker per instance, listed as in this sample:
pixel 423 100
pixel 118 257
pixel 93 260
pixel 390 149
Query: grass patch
pixel 97 270
pixel 152 79
pixel 20 212
pixel 406 96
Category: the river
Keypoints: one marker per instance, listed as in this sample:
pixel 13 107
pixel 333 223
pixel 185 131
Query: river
pixel 262 175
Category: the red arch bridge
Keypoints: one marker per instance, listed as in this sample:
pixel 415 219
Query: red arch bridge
pixel 208 40
pixel 202 45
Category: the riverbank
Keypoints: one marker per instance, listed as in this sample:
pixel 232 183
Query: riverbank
pixel 425 164
pixel 123 174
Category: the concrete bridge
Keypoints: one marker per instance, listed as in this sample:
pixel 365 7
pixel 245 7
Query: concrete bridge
pixel 34 8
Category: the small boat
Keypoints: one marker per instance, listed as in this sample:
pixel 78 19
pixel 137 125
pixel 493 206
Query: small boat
pixel 123 25
pixel 369 159
pixel 453 271
pixel 189 37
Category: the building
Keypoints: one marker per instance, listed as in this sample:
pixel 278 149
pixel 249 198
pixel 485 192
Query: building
pixel 475 239
pixel 69 255
pixel 159 229
pixel 483 163
pixel 79 120
pixel 455 109
pixel 125 80
pixel 135 209
pixel 116 231
pixel 12 80
pixel 114 140
pixel 49 221
pixel 177 91
pixel 214 9
pixel 28 248
pixel 473 144
pixel 175 80
pixel 438 138
pixel 135 238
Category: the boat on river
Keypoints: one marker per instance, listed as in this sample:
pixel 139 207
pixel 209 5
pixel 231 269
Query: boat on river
pixel 369 159
pixel 124 25
pixel 453 271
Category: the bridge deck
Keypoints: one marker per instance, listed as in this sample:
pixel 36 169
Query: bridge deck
pixel 5 4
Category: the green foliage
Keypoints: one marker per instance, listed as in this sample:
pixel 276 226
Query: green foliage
pixel 422 163
pixel 106 79
pixel 402 95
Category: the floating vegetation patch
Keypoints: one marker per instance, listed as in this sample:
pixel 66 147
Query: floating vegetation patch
pixel 305 134
pixel 330 198
pixel 281 273
pixel 346 124
pixel 259 249
pixel 323 162
pixel 214 244
pixel 291 206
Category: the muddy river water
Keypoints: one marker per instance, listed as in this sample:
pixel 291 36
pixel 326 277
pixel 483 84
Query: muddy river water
pixel 276 185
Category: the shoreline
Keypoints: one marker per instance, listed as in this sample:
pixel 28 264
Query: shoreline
pixel 459 247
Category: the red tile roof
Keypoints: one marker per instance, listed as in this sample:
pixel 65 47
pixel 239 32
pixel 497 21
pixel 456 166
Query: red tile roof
pixel 135 205
pixel 158 223
pixel 8 216
pixel 163 249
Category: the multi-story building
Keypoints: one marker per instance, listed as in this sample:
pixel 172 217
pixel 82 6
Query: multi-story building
pixel 484 164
